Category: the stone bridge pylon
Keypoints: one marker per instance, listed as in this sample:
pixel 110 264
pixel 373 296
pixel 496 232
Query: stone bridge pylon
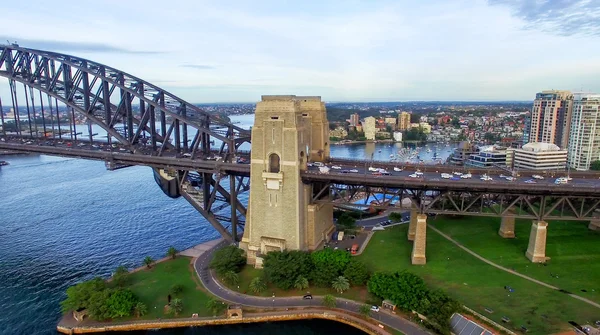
pixel 288 132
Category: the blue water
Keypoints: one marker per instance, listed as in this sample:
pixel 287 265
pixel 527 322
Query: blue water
pixel 63 221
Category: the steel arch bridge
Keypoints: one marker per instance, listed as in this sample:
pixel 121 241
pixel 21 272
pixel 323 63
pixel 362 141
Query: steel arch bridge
pixel 144 124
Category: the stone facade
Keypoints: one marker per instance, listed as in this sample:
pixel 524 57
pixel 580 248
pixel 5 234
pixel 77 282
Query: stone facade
pixel 420 241
pixel 288 131
pixel 507 227
pixel 536 251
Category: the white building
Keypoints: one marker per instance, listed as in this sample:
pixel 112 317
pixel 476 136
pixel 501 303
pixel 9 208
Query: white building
pixel 369 128
pixel 584 139
pixel 538 156
pixel 398 136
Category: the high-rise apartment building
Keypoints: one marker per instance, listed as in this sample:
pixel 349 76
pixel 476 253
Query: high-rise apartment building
pixel 369 128
pixel 403 121
pixel 354 119
pixel 584 139
pixel 550 118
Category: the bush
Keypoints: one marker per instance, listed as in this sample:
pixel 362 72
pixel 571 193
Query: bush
pixel 79 296
pixel 176 289
pixel 328 265
pixel 356 272
pixel 395 217
pixel 229 258
pixel 283 267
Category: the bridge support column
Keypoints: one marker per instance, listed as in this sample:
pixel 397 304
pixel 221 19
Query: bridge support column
pixel 507 227
pixel 412 225
pixel 536 252
pixel 594 224
pixel 420 241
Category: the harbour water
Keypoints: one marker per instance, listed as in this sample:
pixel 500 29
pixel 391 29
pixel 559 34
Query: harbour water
pixel 66 220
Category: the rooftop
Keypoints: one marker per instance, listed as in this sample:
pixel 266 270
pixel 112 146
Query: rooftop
pixel 540 147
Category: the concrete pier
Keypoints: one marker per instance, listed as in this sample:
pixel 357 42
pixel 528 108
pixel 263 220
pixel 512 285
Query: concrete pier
pixel 594 225
pixel 507 227
pixel 420 240
pixel 412 225
pixel 536 252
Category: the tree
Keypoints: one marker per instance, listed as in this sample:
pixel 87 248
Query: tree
pixel 120 303
pixel 172 252
pixel 301 283
pixel 595 165
pixel 78 296
pixel 231 278
pixel 329 301
pixel 356 272
pixel 148 261
pixel 328 264
pixel 283 267
pixel 403 288
pixel 119 277
pixel 140 309
pixel 340 284
pixel 346 221
pixel 215 306
pixel 177 306
pixel 229 258
pixel 98 308
pixel 257 285
pixel 177 289
pixel 395 216
pixel 364 310
pixel 489 137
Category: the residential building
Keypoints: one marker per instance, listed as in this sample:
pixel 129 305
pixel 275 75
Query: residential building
pixel 539 156
pixel 488 156
pixel 369 128
pixel 584 141
pixel 551 117
pixel 461 153
pixel 338 132
pixel 398 136
pixel 423 125
pixel 354 119
pixel 391 121
pixel 403 121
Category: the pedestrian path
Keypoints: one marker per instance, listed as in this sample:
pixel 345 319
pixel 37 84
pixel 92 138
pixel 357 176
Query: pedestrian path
pixel 539 282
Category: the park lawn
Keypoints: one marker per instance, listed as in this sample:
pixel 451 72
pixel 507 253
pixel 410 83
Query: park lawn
pixel 152 287
pixel 574 250
pixel 477 284
pixel 249 272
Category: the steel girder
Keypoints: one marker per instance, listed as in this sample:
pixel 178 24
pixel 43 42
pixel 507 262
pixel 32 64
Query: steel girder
pixel 144 120
pixel 537 207
pixel 107 97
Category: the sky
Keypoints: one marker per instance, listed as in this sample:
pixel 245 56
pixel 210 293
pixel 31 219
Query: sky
pixel 236 51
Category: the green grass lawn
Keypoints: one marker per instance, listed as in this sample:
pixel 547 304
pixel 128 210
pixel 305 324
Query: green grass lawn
pixel 249 272
pixel 152 287
pixel 477 284
pixel 573 248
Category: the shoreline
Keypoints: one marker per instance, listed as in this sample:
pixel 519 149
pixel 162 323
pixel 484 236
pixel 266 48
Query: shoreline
pixel 257 317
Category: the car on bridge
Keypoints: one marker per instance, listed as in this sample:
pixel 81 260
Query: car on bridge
pixel 466 176
pixel 353 171
pixel 537 176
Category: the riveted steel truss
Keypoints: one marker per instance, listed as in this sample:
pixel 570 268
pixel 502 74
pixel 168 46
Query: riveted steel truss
pixel 63 94
pixel 538 207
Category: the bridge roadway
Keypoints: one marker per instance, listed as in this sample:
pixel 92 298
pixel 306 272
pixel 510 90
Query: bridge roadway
pixel 582 184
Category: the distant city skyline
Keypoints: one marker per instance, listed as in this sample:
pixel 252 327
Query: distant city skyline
pixel 344 51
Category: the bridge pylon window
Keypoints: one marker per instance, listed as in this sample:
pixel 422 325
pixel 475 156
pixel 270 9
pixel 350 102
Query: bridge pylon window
pixel 274 163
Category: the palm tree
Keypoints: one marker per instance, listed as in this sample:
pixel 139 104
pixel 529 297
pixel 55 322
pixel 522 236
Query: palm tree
pixel 172 252
pixel 215 305
pixel 301 283
pixel 257 285
pixel 329 301
pixel 140 309
pixel 365 310
pixel 148 261
pixel 177 306
pixel 340 284
pixel 231 278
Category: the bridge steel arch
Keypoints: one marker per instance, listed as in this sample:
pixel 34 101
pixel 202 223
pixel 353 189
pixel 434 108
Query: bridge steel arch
pixel 139 118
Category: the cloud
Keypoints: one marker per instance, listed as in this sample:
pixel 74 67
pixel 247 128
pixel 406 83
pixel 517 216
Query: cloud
pixel 198 66
pixel 72 46
pixel 563 17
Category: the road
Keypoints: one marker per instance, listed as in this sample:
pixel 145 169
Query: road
pixel 214 287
